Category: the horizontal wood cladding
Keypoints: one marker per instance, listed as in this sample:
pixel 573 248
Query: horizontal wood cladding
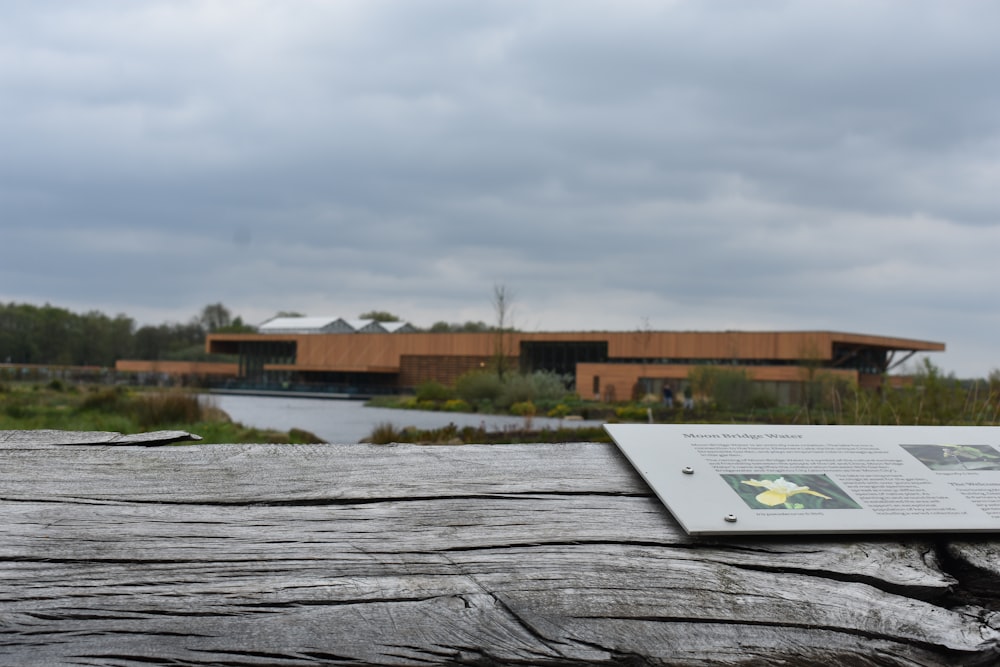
pixel 774 345
pixel 360 351
pixel 417 369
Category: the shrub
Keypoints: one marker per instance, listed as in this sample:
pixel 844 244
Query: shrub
pixel 548 386
pixel 730 389
pixel 632 413
pixel 523 409
pixel 456 405
pixel 478 387
pixel 516 389
pixel 560 411
pixel 434 391
pixel 763 400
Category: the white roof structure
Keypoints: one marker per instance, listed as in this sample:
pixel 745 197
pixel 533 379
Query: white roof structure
pixel 365 326
pixel 317 325
pixel 398 327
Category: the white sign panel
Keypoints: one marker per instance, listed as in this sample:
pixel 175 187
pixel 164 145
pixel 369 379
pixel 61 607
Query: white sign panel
pixel 725 479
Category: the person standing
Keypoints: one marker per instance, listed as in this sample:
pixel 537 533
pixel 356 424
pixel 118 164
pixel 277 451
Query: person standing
pixel 668 395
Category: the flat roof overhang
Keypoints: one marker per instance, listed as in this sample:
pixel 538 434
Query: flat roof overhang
pixel 888 344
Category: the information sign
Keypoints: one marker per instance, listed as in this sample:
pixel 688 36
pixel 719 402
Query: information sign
pixel 725 479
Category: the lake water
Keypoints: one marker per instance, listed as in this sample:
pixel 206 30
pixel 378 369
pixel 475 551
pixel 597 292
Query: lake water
pixel 343 421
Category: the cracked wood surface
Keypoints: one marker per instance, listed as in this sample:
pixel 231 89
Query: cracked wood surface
pixel 126 554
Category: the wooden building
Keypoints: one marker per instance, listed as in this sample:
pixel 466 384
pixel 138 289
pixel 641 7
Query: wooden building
pixel 603 364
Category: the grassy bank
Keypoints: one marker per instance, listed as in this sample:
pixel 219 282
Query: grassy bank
pixel 721 396
pixel 73 407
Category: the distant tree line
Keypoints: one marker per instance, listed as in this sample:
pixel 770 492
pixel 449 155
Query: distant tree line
pixel 438 327
pixel 48 334
pixel 52 335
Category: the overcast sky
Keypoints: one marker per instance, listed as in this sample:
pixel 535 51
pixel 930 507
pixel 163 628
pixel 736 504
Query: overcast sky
pixel 689 165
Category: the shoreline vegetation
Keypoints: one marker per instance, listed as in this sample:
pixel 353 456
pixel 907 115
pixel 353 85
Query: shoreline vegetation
pixel 720 396
pixel 90 407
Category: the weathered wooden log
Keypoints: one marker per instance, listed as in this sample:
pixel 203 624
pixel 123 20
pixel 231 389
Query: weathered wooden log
pixel 52 437
pixel 411 555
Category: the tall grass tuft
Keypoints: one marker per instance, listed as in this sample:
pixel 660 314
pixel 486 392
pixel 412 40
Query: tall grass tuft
pixel 104 399
pixel 164 409
pixel 384 433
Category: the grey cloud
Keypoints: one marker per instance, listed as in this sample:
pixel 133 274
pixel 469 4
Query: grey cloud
pixel 738 164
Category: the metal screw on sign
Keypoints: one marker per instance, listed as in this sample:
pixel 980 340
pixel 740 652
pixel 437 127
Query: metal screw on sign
pixel 687 470
pixel 731 518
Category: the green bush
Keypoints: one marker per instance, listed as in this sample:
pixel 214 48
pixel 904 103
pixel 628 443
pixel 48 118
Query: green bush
pixel 516 389
pixel 434 391
pixel 729 389
pixel 478 387
pixel 548 386
pixel 560 411
pixel 762 400
pixel 523 409
pixel 456 405
pixel 632 413
pixel 487 391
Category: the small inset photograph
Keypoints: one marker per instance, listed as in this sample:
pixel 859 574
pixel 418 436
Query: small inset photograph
pixel 791 492
pixel 956 457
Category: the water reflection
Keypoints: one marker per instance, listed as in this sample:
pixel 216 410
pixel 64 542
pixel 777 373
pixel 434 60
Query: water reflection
pixel 340 421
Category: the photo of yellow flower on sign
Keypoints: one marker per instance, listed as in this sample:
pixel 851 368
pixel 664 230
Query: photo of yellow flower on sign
pixel 793 492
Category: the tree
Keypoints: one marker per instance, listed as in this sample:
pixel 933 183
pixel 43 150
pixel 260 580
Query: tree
pixel 50 335
pixel 380 316
pixel 237 326
pixel 215 316
pixel 455 327
pixel 503 300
